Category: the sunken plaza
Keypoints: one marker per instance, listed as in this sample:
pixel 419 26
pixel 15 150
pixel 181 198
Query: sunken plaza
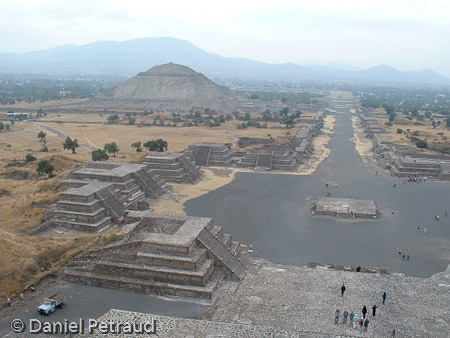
pixel 265 255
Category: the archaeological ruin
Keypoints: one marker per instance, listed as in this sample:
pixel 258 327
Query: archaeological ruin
pixel 402 160
pixel 163 255
pixel 345 208
pixel 173 167
pixel 98 194
pixel 169 87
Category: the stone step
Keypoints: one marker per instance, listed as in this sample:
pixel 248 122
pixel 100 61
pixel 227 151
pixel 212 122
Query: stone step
pixel 222 253
pixel 91 227
pixel 142 285
pixel 78 206
pixel 177 262
pixel 77 216
pixel 158 273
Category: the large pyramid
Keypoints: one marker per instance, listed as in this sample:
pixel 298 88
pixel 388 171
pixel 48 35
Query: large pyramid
pixel 168 87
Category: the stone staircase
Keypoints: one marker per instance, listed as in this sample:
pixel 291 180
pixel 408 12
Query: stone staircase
pixel 202 155
pixel 222 253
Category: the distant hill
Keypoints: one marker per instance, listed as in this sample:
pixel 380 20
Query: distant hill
pixel 130 57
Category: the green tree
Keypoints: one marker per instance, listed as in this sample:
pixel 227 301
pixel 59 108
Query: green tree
pixel 156 145
pixel 422 144
pixel 45 167
pixel 113 118
pixel 99 155
pixel 448 122
pixel 137 145
pixel 111 148
pixel 2 126
pixel 41 135
pixel 70 144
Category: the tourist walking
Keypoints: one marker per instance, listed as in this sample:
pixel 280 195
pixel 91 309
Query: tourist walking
pixel 400 252
pixel 408 257
pixel 425 230
pixel 418 228
pixel 384 298
pixel 342 290
pixel 336 316
pixel 366 324
pixel 8 302
pixel 352 315
pixel 361 323
pixel 393 333
pixel 404 256
pixel 364 311
pixel 374 310
pixel 344 321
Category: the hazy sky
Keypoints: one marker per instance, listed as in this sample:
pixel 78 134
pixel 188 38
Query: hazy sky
pixel 407 34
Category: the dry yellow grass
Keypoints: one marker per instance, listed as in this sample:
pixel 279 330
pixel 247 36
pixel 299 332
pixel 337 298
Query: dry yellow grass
pixel 37 105
pixel 22 208
pixel 436 137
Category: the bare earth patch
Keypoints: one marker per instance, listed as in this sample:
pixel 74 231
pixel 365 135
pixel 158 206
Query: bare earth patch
pixel 363 144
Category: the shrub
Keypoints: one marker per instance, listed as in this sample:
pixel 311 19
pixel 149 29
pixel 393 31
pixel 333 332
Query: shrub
pixel 422 144
pixel 29 158
pixel 399 131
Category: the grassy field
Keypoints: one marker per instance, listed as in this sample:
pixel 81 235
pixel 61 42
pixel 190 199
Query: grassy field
pixel 24 196
pixel 437 138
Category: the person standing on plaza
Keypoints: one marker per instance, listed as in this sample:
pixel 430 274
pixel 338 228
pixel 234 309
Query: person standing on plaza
pixel 361 323
pixel 8 302
pixel 384 298
pixel 374 310
pixel 366 324
pixel 345 317
pixel 364 311
pixel 352 315
pixel 355 320
pixel 336 316
pixel 342 290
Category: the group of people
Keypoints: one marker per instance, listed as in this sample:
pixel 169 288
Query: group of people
pixel 407 257
pixel 416 179
pixel 352 319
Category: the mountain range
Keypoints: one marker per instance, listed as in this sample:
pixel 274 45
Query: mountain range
pixel 130 57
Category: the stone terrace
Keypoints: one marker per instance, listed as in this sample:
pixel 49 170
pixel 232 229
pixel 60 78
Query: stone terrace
pixel 171 327
pixel 173 167
pixel 209 154
pixel 305 300
pixel 98 194
pixel 162 254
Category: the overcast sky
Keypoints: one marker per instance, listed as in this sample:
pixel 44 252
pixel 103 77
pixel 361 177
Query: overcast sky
pixel 407 34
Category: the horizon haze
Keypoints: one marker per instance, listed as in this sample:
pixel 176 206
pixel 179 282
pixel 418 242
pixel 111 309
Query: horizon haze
pixel 407 36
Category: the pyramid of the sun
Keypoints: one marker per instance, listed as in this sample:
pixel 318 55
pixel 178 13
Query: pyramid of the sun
pixel 168 87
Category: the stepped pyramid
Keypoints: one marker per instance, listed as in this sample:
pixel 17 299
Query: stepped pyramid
pixel 98 194
pixel 168 87
pixel 164 255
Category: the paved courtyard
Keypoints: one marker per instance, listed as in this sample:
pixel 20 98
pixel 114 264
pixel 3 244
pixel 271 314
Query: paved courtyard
pixel 272 213
pixel 305 300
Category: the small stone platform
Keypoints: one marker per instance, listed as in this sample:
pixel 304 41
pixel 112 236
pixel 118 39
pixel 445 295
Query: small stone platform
pixel 345 207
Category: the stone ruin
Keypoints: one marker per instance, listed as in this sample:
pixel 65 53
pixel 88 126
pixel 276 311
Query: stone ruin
pixel 98 194
pixel 283 156
pixel 173 167
pixel 209 154
pixel 402 160
pixel 345 208
pixel 163 255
